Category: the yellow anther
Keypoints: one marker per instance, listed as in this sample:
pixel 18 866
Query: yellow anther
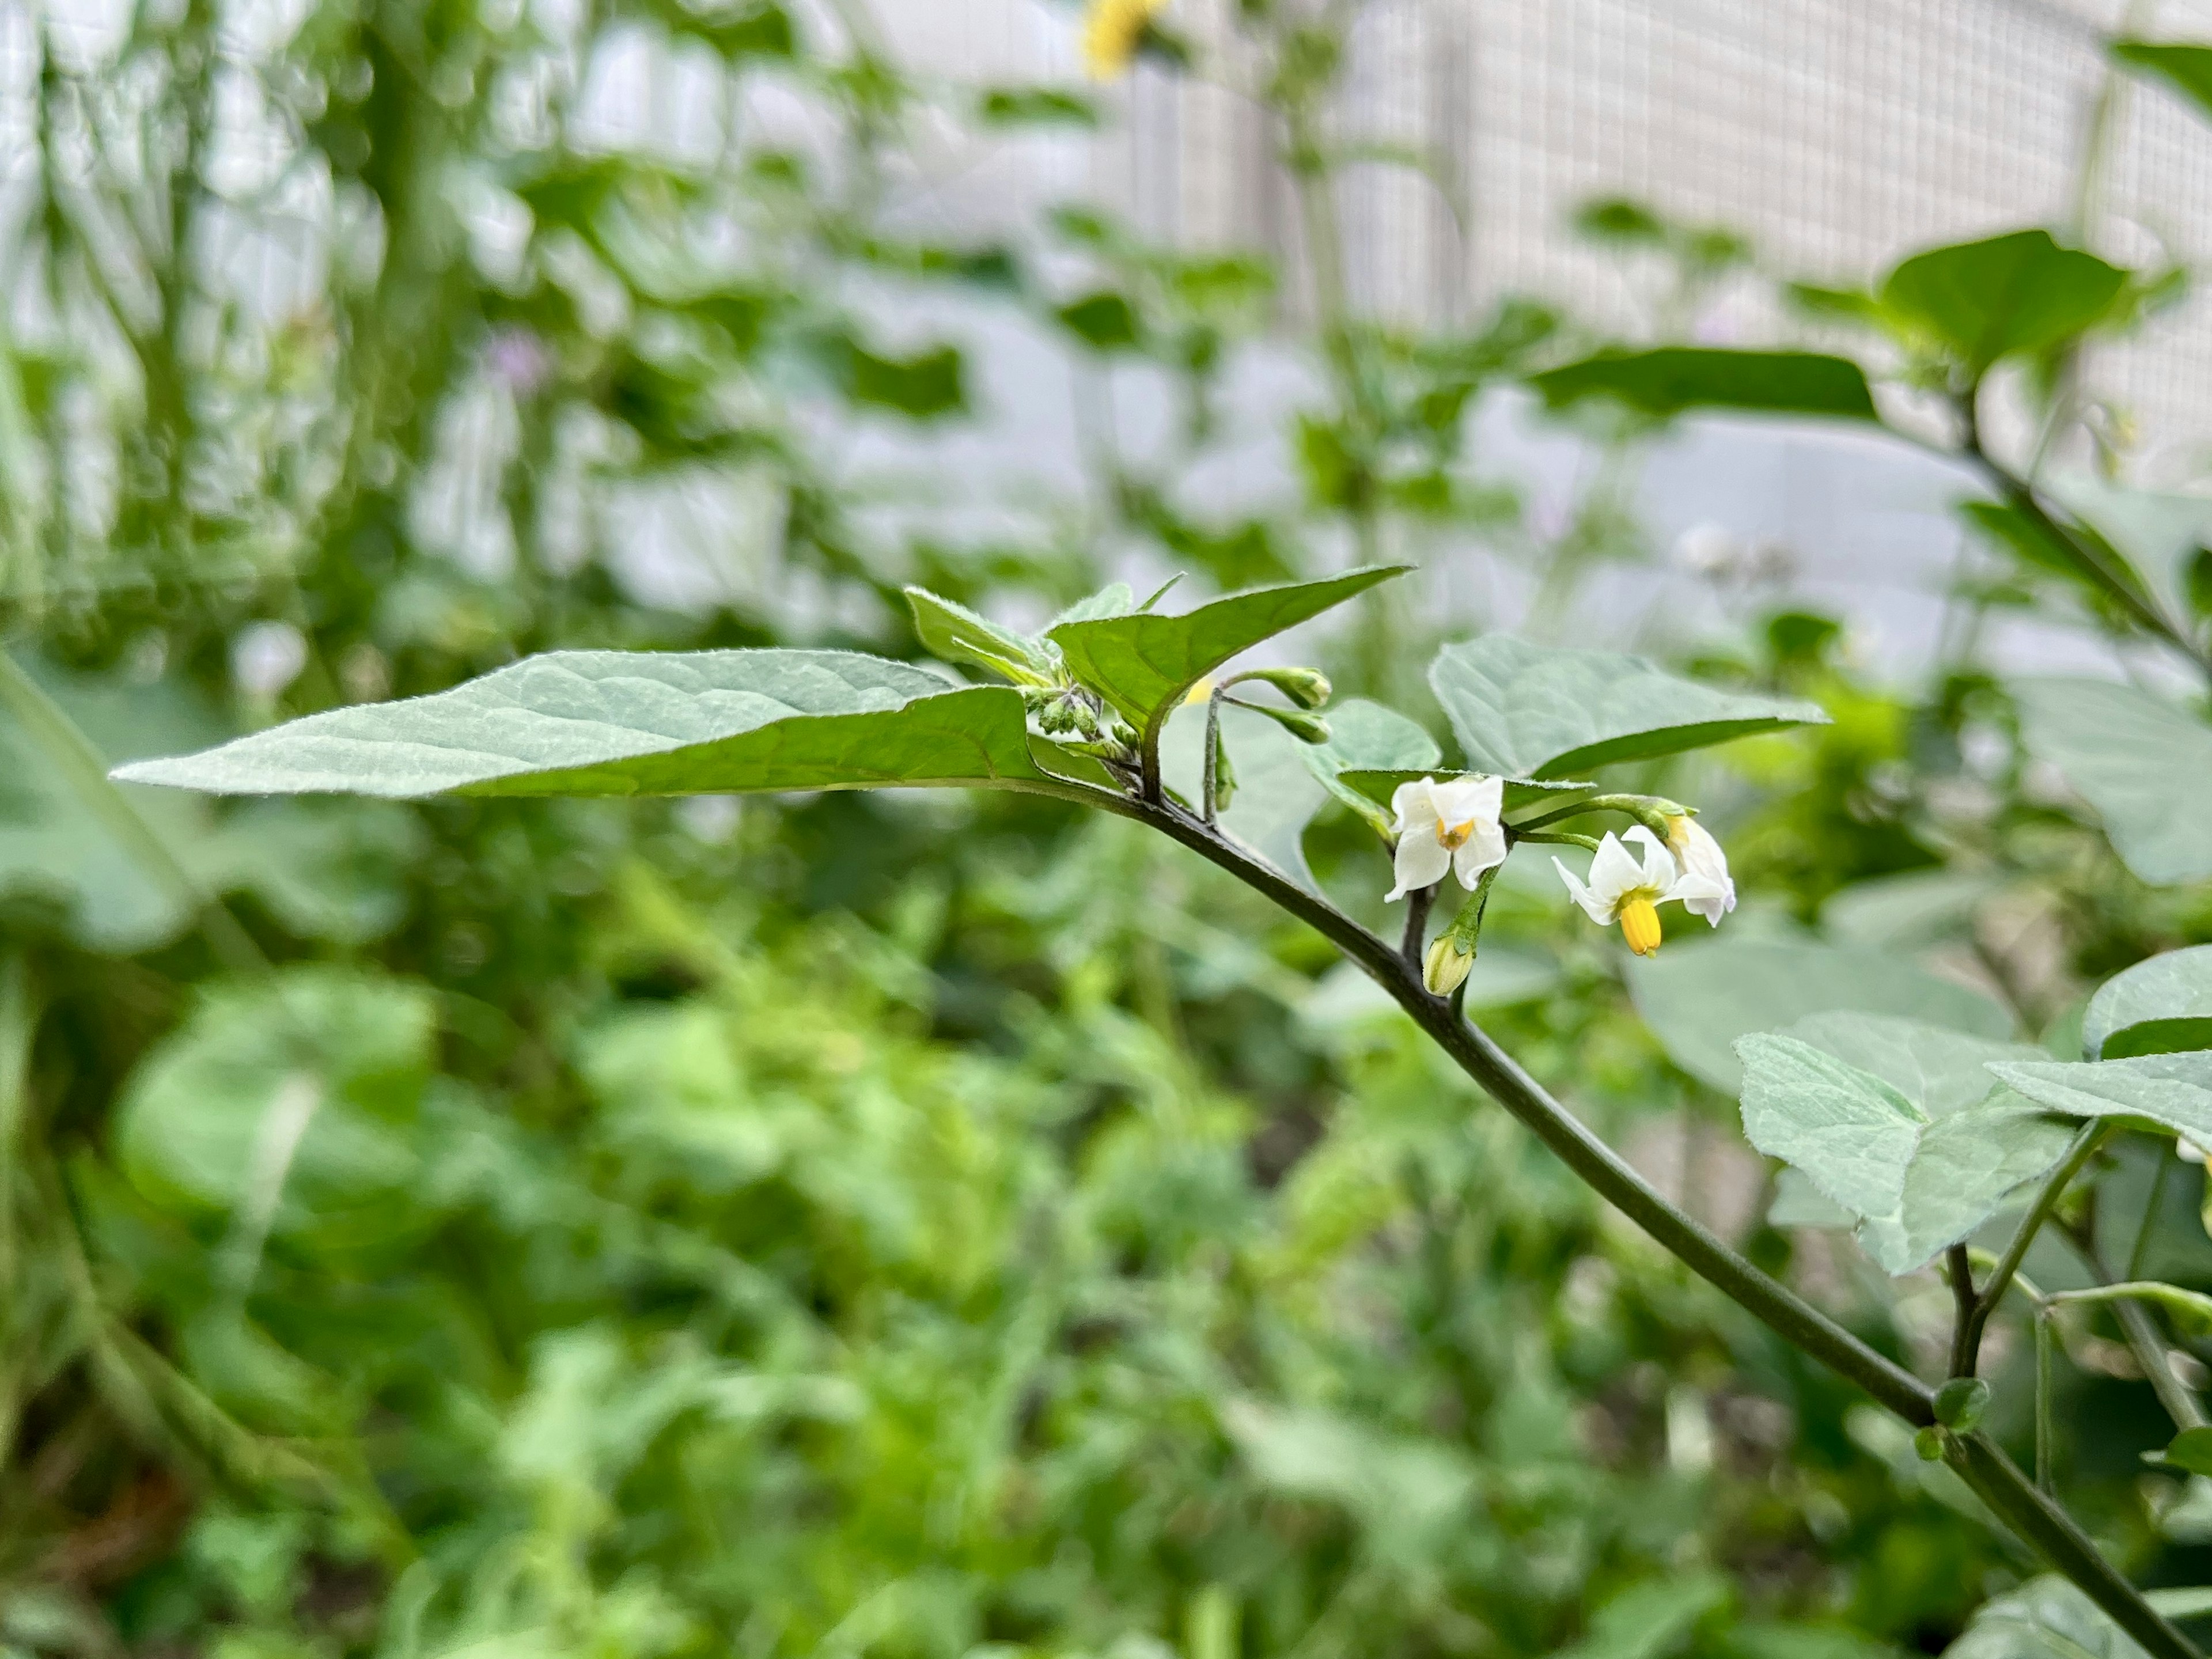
pixel 1455 835
pixel 1639 925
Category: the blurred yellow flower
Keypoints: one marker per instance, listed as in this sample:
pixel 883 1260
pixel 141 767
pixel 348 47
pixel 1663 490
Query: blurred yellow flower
pixel 1111 29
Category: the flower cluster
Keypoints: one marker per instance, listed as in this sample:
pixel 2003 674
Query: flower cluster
pixel 1454 827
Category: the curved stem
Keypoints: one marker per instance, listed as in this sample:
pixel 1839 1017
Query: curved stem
pixel 1994 1478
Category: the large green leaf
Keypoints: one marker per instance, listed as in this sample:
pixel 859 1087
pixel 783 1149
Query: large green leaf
pixel 1524 710
pixel 2187 69
pixel 2160 1006
pixel 1850 1132
pixel 1143 664
pixel 2145 765
pixel 1976 1142
pixel 1982 301
pixel 2173 1090
pixel 1699 997
pixel 1669 379
pixel 289 1099
pixel 619 723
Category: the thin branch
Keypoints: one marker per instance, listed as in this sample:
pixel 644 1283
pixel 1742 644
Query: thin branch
pixel 1966 1334
pixel 1417 925
pixel 1967 1346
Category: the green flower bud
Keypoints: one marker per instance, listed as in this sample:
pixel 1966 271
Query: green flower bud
pixel 1306 729
pixel 1443 970
pixel 1309 687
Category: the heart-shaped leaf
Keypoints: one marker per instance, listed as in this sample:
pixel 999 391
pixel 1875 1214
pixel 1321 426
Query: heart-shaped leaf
pixel 2174 1090
pixel 1982 301
pixel 1964 1170
pixel 1670 380
pixel 2160 1006
pixel 1939 1070
pixel 1524 711
pixel 2145 765
pixel 620 723
pixel 1143 663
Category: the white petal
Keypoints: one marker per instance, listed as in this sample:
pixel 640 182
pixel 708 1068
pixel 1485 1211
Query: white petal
pixel 1613 872
pixel 1463 800
pixel 1702 896
pixel 1484 850
pixel 1700 854
pixel 1658 862
pixel 1598 910
pixel 1419 861
pixel 1415 804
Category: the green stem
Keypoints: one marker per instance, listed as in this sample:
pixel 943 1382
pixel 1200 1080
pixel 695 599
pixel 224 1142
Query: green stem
pixel 2043 1342
pixel 1974 1318
pixel 1642 808
pixel 84 770
pixel 1994 1477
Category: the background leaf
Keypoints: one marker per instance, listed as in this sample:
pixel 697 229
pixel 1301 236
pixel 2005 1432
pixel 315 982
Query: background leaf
pixel 2161 1005
pixel 2145 765
pixel 2174 1089
pixel 2004 295
pixel 1848 1131
pixel 1671 379
pixel 2187 69
pixel 1524 710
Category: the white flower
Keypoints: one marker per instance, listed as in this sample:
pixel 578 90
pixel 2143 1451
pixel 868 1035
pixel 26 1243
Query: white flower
pixel 1450 826
pixel 1700 856
pixel 1620 890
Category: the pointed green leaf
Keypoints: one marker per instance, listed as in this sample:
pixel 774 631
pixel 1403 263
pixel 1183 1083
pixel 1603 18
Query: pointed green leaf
pixel 1982 301
pixel 1850 1132
pixel 2171 1090
pixel 1939 1070
pixel 2160 1007
pixel 952 633
pixel 2187 69
pixel 2191 1450
pixel 2145 765
pixel 1964 1170
pixel 1526 711
pixel 1143 664
pixel 1699 997
pixel 1672 379
pixel 623 723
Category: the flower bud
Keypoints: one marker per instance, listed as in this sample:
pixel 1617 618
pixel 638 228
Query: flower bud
pixel 1306 729
pixel 1443 970
pixel 1309 687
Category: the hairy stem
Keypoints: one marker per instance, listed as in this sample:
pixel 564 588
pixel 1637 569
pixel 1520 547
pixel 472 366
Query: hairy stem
pixel 1965 1332
pixel 2009 1494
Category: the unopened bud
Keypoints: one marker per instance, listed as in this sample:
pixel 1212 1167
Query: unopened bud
pixel 1309 687
pixel 1443 970
pixel 1306 729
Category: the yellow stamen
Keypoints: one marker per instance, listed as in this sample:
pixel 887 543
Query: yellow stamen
pixel 1639 925
pixel 1455 835
pixel 1111 30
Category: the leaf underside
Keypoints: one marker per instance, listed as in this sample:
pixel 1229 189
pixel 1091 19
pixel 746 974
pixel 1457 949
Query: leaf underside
pixel 2144 765
pixel 2161 1005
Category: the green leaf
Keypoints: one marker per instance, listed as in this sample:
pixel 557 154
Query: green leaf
pixel 1850 1132
pixel 2144 765
pixel 624 723
pixel 1699 997
pixel 1007 106
pixel 1652 1619
pixel 2160 1006
pixel 1105 321
pixel 2046 1618
pixel 291 1096
pixel 1965 1169
pixel 1983 301
pixel 2191 1450
pixel 1143 664
pixel 1673 379
pixel 924 386
pixel 2187 69
pixel 1939 1070
pixel 2174 1090
pixel 1115 599
pixel 1524 710
pixel 1961 1402
pixel 950 632
pixel 1365 737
